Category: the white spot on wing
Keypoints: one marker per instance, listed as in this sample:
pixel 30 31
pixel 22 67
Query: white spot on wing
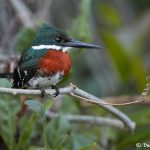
pixel 26 73
pixel 18 72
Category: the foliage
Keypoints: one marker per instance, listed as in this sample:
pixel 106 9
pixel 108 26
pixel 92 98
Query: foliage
pixel 23 39
pixel 122 68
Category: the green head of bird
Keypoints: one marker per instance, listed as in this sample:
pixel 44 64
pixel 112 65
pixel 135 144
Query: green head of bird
pixel 53 38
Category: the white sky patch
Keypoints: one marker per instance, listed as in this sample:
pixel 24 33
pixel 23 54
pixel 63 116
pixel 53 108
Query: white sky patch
pixel 55 47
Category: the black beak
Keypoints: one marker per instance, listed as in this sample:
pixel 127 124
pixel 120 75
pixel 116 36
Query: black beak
pixel 78 44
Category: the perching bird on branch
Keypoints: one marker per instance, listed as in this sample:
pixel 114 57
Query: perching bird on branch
pixel 47 61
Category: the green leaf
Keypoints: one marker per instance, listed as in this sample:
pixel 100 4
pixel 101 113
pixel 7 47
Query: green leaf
pixel 5 83
pixel 11 130
pixel 57 129
pixel 39 108
pixel 144 113
pixel 89 147
pixel 69 105
pixel 141 134
pixel 26 133
pixel 139 73
pixel 47 105
pixel 118 54
pixel 83 31
pixel 80 140
pixel 111 15
pixel 128 65
pixel 8 109
pixel 23 39
pixel 59 147
pixel 36 106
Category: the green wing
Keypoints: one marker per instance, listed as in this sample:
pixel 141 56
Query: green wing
pixel 27 67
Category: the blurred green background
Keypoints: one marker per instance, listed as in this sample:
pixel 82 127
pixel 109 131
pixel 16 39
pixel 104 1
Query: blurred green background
pixel 120 68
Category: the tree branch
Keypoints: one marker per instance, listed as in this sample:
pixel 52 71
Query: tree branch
pixel 76 92
pixel 127 99
pixel 92 120
pixel 23 12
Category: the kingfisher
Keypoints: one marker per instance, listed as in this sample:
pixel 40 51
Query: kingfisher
pixel 47 61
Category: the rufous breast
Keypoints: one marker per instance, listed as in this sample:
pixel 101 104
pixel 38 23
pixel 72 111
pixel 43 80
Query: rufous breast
pixel 55 61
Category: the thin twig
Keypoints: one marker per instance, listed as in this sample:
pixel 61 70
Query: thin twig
pixel 109 103
pixel 126 99
pixel 147 88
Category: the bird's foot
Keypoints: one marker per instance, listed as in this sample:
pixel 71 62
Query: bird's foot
pixel 43 93
pixel 56 89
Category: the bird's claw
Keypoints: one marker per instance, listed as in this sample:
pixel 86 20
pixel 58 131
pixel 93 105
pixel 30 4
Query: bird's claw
pixel 56 89
pixel 43 93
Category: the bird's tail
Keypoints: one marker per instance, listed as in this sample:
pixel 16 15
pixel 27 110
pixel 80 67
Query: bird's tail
pixel 6 75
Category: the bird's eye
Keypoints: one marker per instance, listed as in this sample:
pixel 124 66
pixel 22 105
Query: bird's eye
pixel 58 39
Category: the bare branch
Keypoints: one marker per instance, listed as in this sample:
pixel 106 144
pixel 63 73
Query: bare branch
pixel 76 92
pixel 92 120
pixel 127 99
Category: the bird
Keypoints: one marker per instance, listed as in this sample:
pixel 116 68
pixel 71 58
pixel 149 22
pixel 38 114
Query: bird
pixel 47 61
